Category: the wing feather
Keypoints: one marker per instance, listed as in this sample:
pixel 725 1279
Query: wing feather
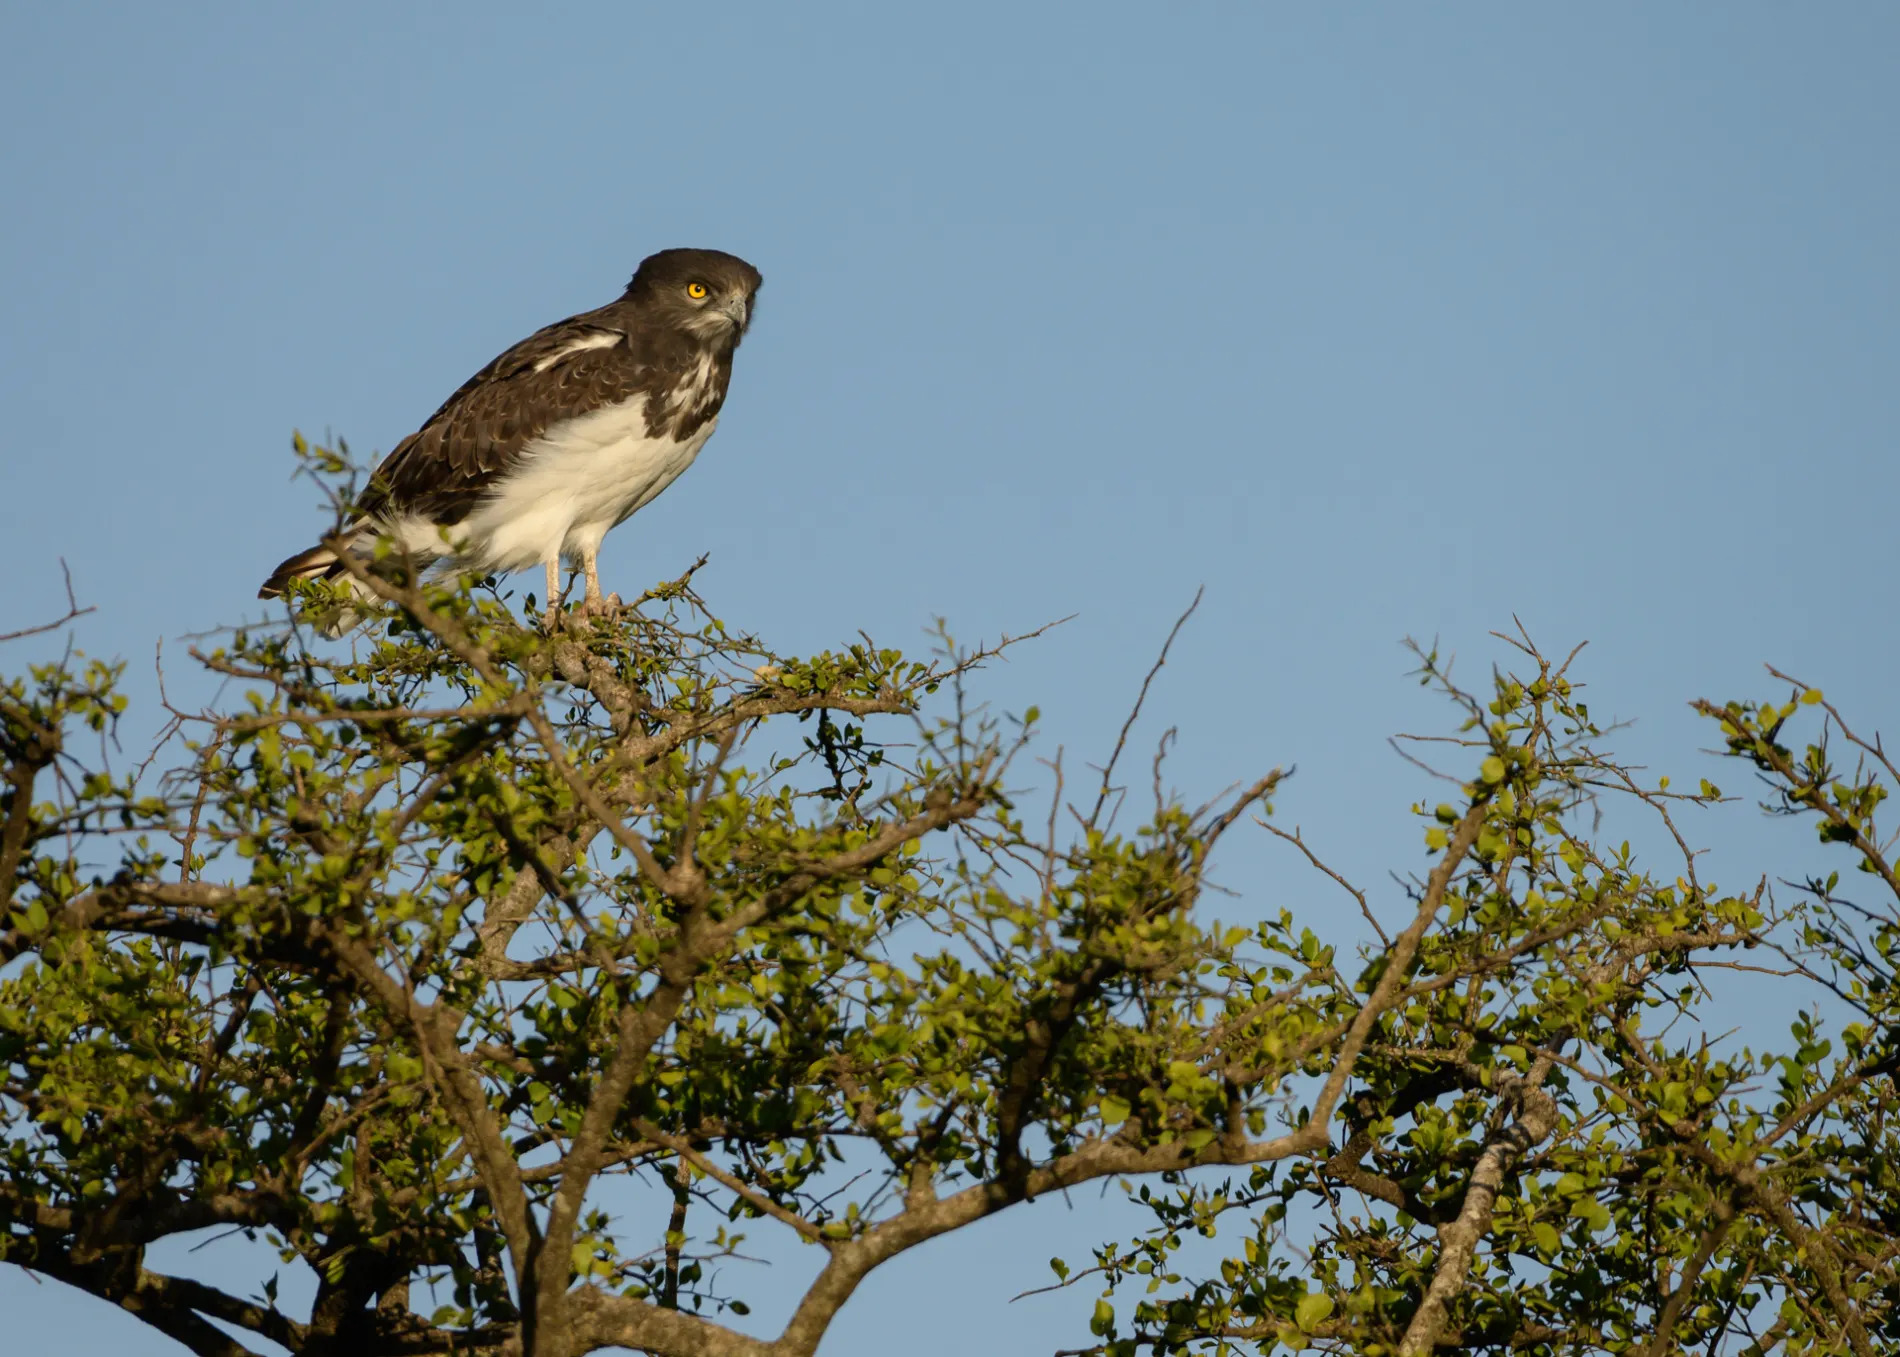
pixel 563 370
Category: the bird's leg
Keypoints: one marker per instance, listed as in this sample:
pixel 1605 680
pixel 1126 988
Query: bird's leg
pixel 595 604
pixel 553 613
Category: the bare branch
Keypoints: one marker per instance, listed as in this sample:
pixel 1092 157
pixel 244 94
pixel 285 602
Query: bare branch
pixel 1134 713
pixel 73 610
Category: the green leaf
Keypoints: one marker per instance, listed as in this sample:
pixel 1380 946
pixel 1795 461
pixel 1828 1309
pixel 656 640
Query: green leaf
pixel 1114 1110
pixel 1312 1311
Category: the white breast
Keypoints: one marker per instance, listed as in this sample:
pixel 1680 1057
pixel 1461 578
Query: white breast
pixel 572 485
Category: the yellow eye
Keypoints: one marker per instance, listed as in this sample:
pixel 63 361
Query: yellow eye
pixel 697 291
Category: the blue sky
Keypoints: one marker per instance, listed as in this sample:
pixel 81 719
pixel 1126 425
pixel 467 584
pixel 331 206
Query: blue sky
pixel 1375 320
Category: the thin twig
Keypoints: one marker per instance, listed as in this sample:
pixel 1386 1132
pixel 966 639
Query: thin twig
pixel 73 610
pixel 1121 741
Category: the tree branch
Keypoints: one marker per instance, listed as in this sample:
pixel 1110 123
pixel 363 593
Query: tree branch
pixel 1536 1116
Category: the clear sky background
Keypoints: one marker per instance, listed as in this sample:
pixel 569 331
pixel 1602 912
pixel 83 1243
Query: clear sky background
pixel 1375 320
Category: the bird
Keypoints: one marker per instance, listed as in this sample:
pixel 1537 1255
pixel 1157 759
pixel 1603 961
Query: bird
pixel 557 441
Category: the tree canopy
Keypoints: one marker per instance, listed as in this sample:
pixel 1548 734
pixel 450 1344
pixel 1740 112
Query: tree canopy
pixel 403 956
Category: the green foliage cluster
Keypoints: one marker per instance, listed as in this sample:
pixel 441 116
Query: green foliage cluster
pixel 413 952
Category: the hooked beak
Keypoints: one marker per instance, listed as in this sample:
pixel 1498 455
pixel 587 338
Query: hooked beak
pixel 735 307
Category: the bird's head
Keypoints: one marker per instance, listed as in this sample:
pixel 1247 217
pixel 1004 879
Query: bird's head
pixel 707 293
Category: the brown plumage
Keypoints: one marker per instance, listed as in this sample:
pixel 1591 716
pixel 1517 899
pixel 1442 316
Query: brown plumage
pixel 604 409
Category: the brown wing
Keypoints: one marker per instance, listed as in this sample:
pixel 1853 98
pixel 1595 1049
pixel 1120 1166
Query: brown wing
pixel 569 368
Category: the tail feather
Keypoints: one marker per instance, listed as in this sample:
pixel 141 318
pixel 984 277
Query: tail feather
pixel 322 563
pixel 318 563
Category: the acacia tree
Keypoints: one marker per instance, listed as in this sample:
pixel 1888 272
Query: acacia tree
pixel 426 943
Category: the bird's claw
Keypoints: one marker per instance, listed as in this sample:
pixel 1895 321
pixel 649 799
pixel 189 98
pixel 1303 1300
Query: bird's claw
pixel 604 609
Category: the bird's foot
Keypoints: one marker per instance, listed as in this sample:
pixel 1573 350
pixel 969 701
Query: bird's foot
pixel 599 609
